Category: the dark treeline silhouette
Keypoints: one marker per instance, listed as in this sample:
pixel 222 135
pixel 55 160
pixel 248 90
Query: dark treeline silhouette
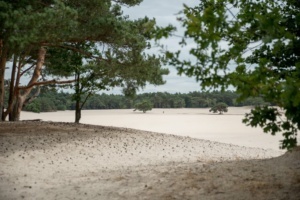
pixel 52 100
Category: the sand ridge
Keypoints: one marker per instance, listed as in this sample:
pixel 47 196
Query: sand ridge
pixel 50 160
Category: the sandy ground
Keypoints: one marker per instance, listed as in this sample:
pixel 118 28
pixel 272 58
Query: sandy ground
pixel 51 160
pixel 195 123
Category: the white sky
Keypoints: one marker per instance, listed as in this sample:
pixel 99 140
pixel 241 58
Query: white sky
pixel 164 11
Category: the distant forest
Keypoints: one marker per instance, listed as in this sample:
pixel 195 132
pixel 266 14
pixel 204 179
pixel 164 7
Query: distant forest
pixel 52 100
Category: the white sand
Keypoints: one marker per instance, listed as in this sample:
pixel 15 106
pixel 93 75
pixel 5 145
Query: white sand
pixel 41 160
pixel 195 123
pixel 52 160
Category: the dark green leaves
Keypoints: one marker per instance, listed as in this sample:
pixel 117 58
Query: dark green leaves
pixel 272 121
pixel 252 46
pixel 219 108
pixel 143 106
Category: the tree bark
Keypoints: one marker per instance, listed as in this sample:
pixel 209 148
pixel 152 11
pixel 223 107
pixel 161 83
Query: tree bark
pixel 77 112
pixel 46 83
pixel 14 90
pixel 15 114
pixel 21 96
pixel 11 88
pixel 3 58
pixel 77 98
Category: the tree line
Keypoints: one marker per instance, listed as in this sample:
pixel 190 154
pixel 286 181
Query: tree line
pixel 53 100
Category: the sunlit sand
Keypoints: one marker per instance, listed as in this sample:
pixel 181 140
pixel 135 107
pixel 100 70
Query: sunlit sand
pixel 195 123
pixel 54 160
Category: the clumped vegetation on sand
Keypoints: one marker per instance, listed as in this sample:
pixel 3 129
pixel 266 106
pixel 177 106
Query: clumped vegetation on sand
pixel 143 106
pixel 219 108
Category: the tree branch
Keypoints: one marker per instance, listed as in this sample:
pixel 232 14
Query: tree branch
pixel 46 83
pixel 86 98
pixel 26 70
pixel 229 10
pixel 34 96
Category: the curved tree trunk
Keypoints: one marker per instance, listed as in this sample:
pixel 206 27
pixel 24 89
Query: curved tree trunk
pixel 20 96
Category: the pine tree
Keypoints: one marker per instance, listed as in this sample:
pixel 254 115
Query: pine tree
pixel 30 30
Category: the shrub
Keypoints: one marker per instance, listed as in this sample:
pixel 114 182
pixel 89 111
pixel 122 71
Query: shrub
pixel 219 107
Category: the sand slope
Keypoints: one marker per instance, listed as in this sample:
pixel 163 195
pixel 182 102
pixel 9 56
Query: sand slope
pixel 44 160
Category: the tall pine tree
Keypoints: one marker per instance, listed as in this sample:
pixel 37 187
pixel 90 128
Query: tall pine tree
pixel 30 29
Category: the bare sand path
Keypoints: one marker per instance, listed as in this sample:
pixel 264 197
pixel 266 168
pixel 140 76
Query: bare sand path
pixel 44 160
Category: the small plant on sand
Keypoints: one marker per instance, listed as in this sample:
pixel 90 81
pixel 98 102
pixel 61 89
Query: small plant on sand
pixel 219 108
pixel 143 106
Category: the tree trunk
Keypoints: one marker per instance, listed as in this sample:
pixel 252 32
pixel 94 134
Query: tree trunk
pixel 77 112
pixel 11 88
pixel 20 97
pixel 17 108
pixel 77 97
pixel 3 57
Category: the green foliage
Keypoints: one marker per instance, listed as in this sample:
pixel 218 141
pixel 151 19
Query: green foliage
pixel 143 106
pixel 270 119
pixel 49 100
pixel 219 108
pixel 22 22
pixel 122 64
pixel 253 46
pixel 33 107
pixel 90 40
pixel 65 101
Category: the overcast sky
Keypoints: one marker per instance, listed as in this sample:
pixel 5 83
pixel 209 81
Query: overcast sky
pixel 164 11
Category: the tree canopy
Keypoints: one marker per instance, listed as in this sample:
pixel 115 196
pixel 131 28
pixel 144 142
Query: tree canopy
pixel 254 47
pixel 54 37
pixel 143 106
pixel 219 108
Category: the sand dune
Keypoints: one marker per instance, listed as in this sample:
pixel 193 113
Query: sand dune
pixel 44 160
